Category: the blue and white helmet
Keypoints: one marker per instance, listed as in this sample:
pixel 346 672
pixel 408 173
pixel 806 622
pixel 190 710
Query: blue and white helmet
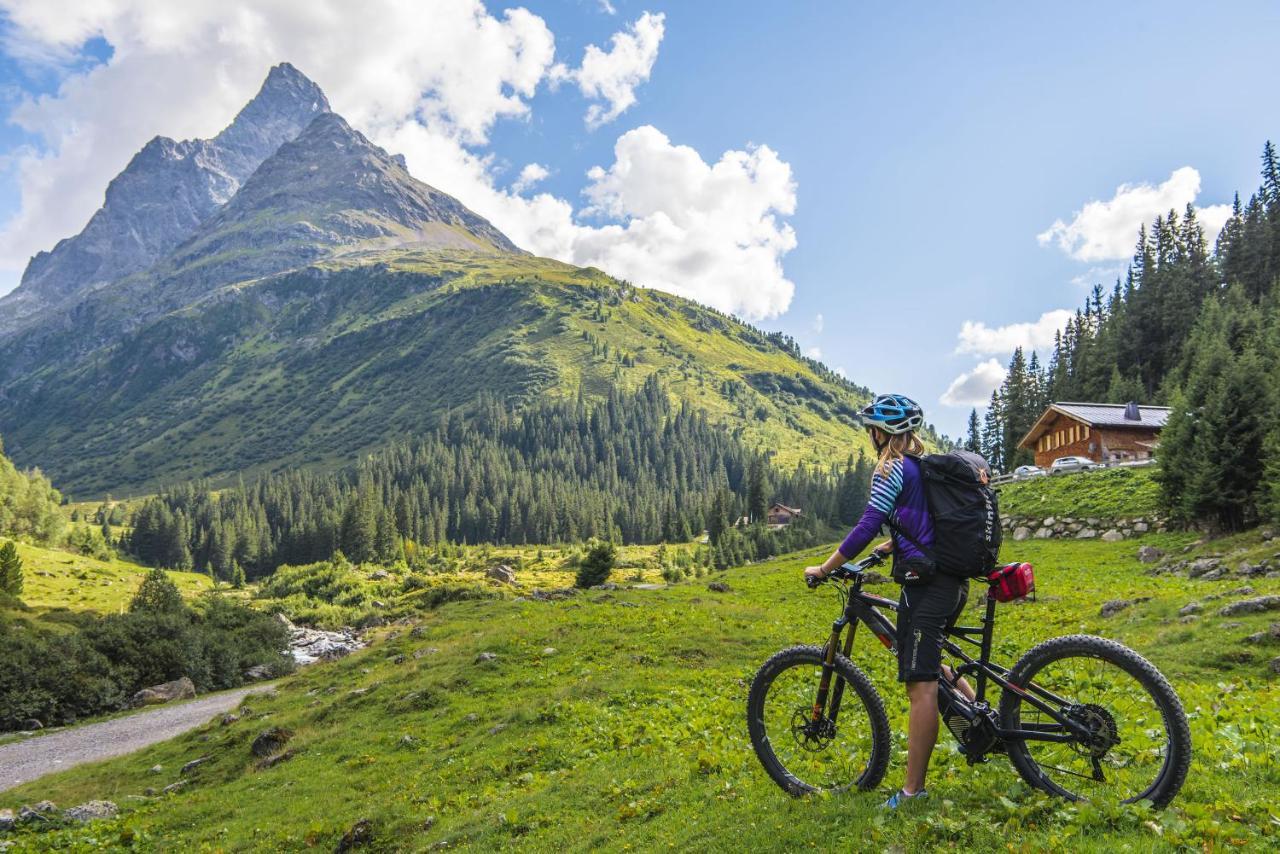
pixel 892 413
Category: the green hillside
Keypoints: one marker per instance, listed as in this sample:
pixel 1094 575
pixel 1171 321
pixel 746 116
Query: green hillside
pixel 57 578
pixel 312 368
pixel 615 719
pixel 1109 494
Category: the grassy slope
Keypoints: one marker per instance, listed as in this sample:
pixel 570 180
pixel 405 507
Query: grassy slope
pixel 632 735
pixel 1109 493
pixel 53 578
pixel 315 367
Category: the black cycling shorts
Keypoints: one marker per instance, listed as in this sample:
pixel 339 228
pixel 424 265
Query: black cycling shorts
pixel 925 614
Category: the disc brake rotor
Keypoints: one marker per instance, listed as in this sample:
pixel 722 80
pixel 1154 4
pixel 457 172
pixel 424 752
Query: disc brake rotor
pixel 810 734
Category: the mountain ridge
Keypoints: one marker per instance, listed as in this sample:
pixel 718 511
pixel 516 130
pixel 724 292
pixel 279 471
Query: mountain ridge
pixel 162 196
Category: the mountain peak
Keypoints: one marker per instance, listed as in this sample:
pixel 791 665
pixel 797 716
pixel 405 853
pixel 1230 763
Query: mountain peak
pixel 286 103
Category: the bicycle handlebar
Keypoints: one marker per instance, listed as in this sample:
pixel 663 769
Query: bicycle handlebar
pixel 847 570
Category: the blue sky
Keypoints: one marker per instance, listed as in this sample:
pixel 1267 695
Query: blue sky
pixel 929 147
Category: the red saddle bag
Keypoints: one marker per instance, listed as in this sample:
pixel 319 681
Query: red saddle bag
pixel 1012 581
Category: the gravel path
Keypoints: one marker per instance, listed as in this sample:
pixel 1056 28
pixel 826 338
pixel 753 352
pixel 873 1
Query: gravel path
pixel 23 761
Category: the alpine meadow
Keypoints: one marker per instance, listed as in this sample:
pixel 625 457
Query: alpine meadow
pixel 420 449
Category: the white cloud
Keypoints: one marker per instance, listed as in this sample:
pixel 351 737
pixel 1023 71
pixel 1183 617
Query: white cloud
pixel 613 75
pixel 819 323
pixel 982 340
pixel 608 8
pixel 531 175
pixel 814 353
pixel 973 388
pixel 430 86
pixel 842 372
pixel 1107 230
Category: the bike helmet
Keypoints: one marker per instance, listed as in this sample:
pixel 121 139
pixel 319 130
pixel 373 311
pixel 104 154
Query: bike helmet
pixel 892 413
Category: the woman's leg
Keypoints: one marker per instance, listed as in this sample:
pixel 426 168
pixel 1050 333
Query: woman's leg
pixel 922 732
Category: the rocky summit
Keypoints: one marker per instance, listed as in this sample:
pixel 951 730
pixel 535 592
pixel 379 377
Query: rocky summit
pixel 164 194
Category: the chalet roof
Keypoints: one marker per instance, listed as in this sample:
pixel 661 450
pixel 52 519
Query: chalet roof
pixel 1099 415
pixel 795 511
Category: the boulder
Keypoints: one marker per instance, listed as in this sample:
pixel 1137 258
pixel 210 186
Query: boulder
pixel 258 672
pixel 91 811
pixel 1268 534
pixel 486 656
pixel 718 587
pixel 1190 608
pixel 379 575
pixel 1021 533
pixel 1203 566
pixel 174 787
pixel 1049 522
pixel 7 820
pixel 193 765
pixel 550 650
pixel 270 741
pixel 502 573
pixel 1275 665
pixel 1251 606
pixel 1113 536
pixel 1086 534
pixel 178 689
pixel 42 811
pixel 228 719
pixel 308 646
pixel 275 759
pixel 1149 554
pixel 1114 607
pixel 1141 527
pixel 1044 533
pixel 360 835
pixel 157 769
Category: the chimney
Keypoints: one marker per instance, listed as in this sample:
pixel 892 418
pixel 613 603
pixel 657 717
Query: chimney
pixel 1131 412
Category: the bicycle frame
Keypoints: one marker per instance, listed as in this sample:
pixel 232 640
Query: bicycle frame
pixel 862 607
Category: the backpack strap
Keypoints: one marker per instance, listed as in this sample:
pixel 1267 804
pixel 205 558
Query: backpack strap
pixel 898 531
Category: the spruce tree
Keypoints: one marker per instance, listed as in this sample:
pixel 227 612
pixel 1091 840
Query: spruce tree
pixel 10 569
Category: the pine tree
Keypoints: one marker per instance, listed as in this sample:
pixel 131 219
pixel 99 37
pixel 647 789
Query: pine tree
pixel 10 569
pixel 973 440
pixel 757 501
pixel 157 594
pixel 237 576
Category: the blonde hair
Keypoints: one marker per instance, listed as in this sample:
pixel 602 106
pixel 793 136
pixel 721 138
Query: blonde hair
pixel 897 446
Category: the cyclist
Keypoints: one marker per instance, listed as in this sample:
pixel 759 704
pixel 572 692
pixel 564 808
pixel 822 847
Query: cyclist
pixel 931 601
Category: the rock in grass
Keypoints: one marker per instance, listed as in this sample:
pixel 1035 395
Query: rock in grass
pixel 7 820
pixel 193 765
pixel 1113 536
pixel 1203 566
pixel 178 689
pixel 1190 608
pixel 42 811
pixel 486 656
pixel 502 573
pixel 174 787
pixel 550 650
pixel 719 587
pixel 275 759
pixel 91 811
pixel 157 769
pixel 360 834
pixel 270 741
pixel 1115 606
pixel 1021 533
pixel 1252 606
pixel 1275 665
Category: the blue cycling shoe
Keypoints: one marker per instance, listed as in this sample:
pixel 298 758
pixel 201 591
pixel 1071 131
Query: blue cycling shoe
pixel 900 797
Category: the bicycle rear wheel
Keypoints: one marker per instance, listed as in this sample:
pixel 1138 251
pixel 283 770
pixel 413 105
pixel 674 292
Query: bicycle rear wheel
pixel 802 755
pixel 1134 741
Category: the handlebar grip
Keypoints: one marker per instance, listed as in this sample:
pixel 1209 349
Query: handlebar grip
pixel 812 582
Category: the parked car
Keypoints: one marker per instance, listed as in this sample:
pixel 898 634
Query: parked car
pixel 1024 472
pixel 1062 465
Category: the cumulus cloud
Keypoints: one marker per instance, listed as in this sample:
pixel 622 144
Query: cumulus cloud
pixel 982 340
pixel 1107 230
pixel 819 323
pixel 530 176
pixel 814 353
pixel 612 75
pixel 973 388
pixel 428 85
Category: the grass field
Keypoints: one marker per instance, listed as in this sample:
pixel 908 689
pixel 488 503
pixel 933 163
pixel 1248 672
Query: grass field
pixel 615 719
pixel 1107 493
pixel 54 578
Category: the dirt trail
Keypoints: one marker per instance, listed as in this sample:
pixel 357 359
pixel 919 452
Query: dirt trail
pixel 29 759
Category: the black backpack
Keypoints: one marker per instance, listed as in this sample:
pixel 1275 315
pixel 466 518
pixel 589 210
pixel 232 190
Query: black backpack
pixel 965 514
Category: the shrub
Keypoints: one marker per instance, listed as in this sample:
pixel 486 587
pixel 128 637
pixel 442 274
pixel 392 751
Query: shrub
pixel 596 564
pixel 10 570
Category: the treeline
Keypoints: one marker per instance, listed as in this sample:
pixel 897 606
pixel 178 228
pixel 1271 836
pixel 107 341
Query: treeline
pixel 1193 329
pixel 29 505
pixel 633 468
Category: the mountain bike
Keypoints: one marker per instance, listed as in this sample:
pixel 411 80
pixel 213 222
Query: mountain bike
pixel 1080 717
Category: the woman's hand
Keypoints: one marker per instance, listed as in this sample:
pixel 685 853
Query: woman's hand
pixel 814 572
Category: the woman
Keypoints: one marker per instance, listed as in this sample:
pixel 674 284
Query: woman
pixel 931 601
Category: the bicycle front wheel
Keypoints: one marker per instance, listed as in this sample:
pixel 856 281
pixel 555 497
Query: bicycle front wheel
pixel 1130 740
pixel 844 748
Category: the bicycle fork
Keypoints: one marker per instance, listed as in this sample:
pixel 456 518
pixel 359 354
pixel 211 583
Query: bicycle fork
pixel 829 667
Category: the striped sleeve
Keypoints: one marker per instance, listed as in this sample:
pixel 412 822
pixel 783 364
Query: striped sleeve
pixel 885 488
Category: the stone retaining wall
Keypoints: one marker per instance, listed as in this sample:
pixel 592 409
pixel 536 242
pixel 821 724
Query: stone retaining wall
pixel 1079 527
